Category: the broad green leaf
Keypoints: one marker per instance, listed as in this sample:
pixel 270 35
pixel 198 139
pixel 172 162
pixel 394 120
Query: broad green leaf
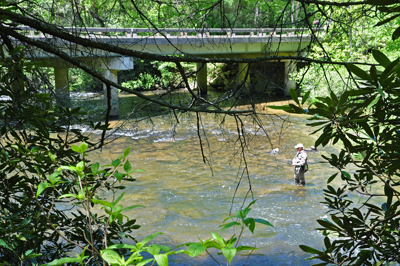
pixel 161 259
pixel 83 147
pixel 119 198
pixel 379 89
pixel 294 96
pixel 80 166
pixel 128 167
pixel 20 237
pixel 30 256
pixel 389 194
pixel 76 148
pixel 262 221
pixel 305 97
pixel 359 72
pixel 95 168
pixel 54 177
pixel 119 176
pixel 71 168
pixel 126 152
pixel 134 257
pixel 60 262
pixel 148 238
pixel 229 253
pixel 250 223
pixel 346 175
pixel 309 249
pixel 386 20
pixel 154 249
pixel 118 246
pixel 131 207
pixel 225 226
pixel 167 249
pixel 144 262
pixel 68 196
pixel 111 256
pixel 28 252
pixel 330 179
pixel 102 202
pixel 241 248
pixel 196 249
pixel 52 156
pixel 396 34
pixel 116 162
pixel 4 244
pixel 381 58
pixel 41 188
pixel 374 74
pixel 374 101
pixel 219 239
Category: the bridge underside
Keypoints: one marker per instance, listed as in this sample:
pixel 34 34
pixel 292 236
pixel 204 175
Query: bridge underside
pixel 211 47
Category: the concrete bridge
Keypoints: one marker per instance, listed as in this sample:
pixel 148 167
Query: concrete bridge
pixel 209 43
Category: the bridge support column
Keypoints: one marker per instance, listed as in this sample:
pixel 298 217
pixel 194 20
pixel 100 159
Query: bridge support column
pixel 243 68
pixel 62 85
pixel 202 78
pixel 112 75
pixel 290 67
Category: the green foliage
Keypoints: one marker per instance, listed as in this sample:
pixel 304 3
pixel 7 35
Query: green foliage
pixel 41 171
pixel 365 121
pixel 229 247
pixel 150 75
pixel 81 81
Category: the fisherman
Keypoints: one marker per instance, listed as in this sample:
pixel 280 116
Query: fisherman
pixel 299 162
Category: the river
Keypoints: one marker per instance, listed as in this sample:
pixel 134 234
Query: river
pixel 187 199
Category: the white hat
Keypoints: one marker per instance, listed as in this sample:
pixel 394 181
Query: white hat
pixel 299 146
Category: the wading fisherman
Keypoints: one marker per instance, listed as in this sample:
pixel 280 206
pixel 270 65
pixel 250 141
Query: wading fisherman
pixel 299 162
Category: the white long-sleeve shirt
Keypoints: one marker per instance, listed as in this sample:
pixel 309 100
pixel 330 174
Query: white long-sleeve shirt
pixel 300 159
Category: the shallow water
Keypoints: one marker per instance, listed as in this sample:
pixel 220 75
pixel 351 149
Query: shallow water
pixel 187 199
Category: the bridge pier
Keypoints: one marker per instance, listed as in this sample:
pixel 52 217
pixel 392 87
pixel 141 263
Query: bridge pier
pixel 202 78
pixel 112 75
pixel 290 67
pixel 62 85
pixel 110 67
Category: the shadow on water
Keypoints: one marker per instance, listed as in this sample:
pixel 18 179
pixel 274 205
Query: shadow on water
pixel 185 200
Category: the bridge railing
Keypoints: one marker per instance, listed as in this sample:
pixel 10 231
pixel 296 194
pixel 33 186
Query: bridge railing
pixel 168 32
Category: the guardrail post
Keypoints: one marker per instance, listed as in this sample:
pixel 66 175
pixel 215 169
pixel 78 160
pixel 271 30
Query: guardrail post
pixel 112 75
pixel 62 85
pixel 129 33
pixel 202 78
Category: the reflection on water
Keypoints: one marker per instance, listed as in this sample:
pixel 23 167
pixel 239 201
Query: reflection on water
pixel 186 200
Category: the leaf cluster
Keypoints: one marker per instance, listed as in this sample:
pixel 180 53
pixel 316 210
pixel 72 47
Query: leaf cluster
pixel 365 120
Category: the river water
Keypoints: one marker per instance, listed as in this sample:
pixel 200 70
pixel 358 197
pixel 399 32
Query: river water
pixel 187 199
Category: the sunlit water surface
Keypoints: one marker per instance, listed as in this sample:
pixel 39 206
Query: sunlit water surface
pixel 187 199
